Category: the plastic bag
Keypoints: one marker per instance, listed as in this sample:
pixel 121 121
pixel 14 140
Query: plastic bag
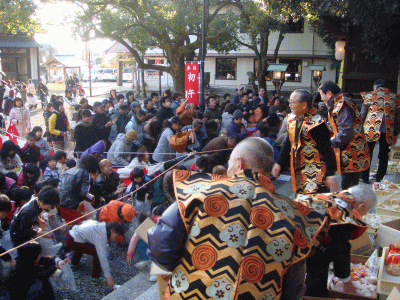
pixel 49 249
pixel 55 222
pixel 7 244
pixel 85 207
pixel 65 281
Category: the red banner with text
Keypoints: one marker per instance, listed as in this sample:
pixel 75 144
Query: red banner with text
pixel 192 71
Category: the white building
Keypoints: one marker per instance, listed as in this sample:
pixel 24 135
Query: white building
pixel 300 49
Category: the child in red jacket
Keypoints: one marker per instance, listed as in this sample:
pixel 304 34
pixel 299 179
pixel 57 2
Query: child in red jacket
pixel 30 153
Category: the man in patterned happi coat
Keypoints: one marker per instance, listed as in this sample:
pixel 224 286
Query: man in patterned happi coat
pixel 234 237
pixel 307 148
pixel 351 150
pixel 381 112
pixel 334 245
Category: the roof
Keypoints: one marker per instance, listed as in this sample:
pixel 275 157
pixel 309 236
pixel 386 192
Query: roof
pixel 116 48
pixel 16 41
pixel 278 67
pixel 317 68
pixel 66 60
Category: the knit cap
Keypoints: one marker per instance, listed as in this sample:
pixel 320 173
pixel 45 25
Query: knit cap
pixel 127 212
pixel 131 135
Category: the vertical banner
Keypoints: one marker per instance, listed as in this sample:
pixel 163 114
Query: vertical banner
pixel 192 82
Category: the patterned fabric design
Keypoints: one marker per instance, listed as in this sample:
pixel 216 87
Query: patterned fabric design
pixel 355 156
pixel 306 167
pixel 242 237
pixel 380 103
pixel 339 207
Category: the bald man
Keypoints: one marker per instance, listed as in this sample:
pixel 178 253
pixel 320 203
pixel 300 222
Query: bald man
pixel 233 236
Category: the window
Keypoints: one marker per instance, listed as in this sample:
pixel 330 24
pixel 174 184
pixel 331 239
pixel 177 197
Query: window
pixel 226 68
pixel 295 27
pixel 157 61
pixel 293 72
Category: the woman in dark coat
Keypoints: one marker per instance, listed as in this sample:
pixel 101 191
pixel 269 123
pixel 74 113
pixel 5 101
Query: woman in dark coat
pixel 108 184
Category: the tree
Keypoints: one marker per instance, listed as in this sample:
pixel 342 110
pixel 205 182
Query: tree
pixel 379 21
pixel 174 26
pixel 16 17
pixel 255 27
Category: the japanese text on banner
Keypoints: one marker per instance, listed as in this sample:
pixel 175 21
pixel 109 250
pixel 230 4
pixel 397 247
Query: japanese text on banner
pixel 192 82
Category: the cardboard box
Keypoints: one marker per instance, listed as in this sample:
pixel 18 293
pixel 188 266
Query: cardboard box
pixel 394 154
pixel 362 245
pixel 386 282
pixel 388 233
pixel 162 275
pixel 355 259
pixel 143 228
pixel 394 294
pixel 318 298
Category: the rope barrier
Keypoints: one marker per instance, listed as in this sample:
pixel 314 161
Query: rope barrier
pixel 137 153
pixel 85 215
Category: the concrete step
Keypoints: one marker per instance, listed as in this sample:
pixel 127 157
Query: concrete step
pixel 139 287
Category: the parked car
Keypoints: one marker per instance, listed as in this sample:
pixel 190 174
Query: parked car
pixel 127 74
pixel 109 75
pixel 95 74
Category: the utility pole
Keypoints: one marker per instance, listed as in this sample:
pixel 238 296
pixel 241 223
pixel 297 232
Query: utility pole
pixel 203 51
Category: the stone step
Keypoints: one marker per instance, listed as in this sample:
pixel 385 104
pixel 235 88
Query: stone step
pixel 139 287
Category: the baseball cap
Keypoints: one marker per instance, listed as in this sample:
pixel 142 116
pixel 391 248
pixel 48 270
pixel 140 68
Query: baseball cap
pixel 237 114
pixel 98 104
pixel 127 212
pixel 124 106
pixel 135 104
pixel 239 88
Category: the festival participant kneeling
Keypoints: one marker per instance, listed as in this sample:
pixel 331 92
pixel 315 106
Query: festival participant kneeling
pixel 91 237
pixel 334 246
pixel 22 227
pixel 235 236
pixel 30 280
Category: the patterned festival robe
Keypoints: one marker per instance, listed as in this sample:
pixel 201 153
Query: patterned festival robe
pixel 242 236
pixel 381 103
pixel 339 207
pixel 306 165
pixel 354 157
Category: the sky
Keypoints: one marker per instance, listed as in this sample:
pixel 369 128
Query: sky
pixel 55 19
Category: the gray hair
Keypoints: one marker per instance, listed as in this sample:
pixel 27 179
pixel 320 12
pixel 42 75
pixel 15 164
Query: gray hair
pixel 189 106
pixel 304 96
pixel 363 193
pixel 257 154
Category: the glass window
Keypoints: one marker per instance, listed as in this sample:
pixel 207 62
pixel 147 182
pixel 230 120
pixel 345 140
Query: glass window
pixel 293 72
pixel 226 68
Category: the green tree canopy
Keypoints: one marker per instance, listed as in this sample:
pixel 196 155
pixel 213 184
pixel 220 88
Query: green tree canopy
pixel 16 16
pixel 171 25
pixel 379 20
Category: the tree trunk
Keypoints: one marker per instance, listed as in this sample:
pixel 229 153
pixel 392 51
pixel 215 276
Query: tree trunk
pixel 178 73
pixel 262 60
pixel 143 83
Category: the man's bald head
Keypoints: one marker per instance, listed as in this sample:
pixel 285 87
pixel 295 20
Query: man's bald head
pixel 252 153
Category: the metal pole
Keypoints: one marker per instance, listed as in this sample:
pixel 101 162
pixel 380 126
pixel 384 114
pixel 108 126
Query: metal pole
pixel 90 74
pixel 203 52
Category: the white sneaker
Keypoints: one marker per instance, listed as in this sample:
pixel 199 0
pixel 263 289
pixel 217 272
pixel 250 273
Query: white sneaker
pixel 142 264
pixel 153 278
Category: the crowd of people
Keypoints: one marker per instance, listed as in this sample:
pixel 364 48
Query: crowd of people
pixel 132 159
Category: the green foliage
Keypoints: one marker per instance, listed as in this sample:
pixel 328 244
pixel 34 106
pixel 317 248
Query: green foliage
pixel 16 17
pixel 379 21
